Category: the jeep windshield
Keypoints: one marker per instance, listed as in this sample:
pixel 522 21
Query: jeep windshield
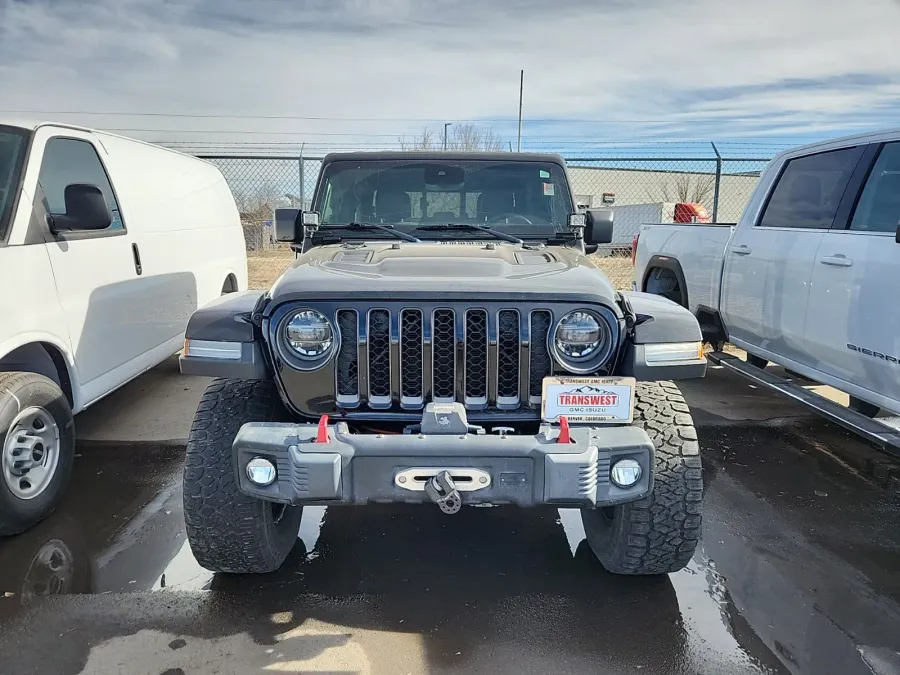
pixel 516 197
pixel 13 142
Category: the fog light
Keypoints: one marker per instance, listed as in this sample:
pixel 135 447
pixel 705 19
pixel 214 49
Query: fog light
pixel 625 473
pixel 261 471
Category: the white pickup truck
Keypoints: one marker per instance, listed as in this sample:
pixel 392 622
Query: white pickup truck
pixel 808 278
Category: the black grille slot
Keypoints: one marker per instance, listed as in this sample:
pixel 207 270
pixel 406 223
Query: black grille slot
pixel 379 355
pixel 411 356
pixel 476 356
pixel 443 346
pixel 508 355
pixel 348 357
pixel 539 368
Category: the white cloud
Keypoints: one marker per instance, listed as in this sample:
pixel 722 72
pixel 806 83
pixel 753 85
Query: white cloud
pixel 699 68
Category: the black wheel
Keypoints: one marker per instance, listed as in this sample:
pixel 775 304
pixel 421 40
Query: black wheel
pixel 757 361
pixel 864 407
pixel 227 530
pixel 37 451
pixel 656 535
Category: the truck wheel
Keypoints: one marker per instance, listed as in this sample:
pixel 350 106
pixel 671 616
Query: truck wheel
pixel 38 448
pixel 227 530
pixel 656 535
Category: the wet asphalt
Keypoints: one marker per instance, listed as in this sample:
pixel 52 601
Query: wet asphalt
pixel 798 572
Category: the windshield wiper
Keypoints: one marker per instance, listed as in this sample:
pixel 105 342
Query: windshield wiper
pixel 372 226
pixel 470 227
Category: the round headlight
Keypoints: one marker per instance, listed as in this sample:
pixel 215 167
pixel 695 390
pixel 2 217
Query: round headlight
pixel 309 334
pixel 579 336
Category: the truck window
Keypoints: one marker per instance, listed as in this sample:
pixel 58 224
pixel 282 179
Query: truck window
pixel 67 161
pixel 878 209
pixel 12 156
pixel 809 190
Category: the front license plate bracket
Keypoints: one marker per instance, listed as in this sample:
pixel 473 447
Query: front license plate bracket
pixel 591 400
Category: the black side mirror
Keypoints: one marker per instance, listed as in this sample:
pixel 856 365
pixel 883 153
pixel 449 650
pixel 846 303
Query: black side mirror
pixel 598 226
pixel 897 236
pixel 288 227
pixel 86 209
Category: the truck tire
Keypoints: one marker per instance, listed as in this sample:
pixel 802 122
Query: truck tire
pixel 37 449
pixel 658 534
pixel 227 530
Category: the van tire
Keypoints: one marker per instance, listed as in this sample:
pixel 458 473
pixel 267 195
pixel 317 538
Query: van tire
pixel 227 530
pixel 658 534
pixel 26 401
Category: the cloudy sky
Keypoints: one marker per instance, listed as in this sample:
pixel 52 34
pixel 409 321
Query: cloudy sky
pixel 339 73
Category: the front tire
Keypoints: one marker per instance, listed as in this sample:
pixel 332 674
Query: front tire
pixel 37 449
pixel 227 530
pixel 658 534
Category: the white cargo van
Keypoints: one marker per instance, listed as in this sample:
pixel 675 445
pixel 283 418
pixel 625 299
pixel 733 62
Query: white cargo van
pixel 107 245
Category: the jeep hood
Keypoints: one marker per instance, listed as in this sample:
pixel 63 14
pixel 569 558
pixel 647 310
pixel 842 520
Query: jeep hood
pixel 442 271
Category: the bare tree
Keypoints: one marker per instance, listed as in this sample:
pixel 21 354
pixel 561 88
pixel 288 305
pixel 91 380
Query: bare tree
pixel 684 187
pixel 467 136
pixel 256 206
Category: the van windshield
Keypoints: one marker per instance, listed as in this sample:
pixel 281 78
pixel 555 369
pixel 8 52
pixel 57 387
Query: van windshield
pixel 13 142
pixel 519 197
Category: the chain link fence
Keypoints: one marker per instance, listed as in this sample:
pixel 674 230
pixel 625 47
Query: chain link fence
pixel 640 190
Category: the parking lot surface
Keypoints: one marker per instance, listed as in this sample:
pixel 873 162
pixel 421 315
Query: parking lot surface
pixel 798 571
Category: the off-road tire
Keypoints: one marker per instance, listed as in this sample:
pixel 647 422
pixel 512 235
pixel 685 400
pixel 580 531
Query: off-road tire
pixel 658 534
pixel 227 530
pixel 20 390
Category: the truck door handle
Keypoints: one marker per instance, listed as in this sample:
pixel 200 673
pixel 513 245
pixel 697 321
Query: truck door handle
pixel 137 259
pixel 838 260
pixel 743 249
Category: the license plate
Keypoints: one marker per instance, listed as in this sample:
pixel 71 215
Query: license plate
pixel 604 400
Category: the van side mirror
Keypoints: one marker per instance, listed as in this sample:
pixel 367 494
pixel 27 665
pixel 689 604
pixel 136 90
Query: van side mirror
pixel 598 226
pixel 288 227
pixel 86 209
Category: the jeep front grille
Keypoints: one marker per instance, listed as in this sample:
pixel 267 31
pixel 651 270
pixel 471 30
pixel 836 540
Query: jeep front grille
pixel 408 357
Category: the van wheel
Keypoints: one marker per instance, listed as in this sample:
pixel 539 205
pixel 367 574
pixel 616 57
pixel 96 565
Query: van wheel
pixel 658 534
pixel 37 452
pixel 230 285
pixel 864 407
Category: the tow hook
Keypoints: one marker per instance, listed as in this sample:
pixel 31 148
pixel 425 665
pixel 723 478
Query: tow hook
pixel 442 491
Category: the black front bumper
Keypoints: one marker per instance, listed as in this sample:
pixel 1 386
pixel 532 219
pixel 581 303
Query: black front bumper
pixel 489 469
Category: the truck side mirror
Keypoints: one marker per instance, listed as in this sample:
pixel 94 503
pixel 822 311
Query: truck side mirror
pixel 288 225
pixel 86 209
pixel 598 227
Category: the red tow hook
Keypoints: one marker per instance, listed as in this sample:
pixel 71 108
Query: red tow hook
pixel 322 433
pixel 563 430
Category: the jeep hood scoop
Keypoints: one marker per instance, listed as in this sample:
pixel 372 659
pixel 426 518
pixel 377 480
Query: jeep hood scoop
pixel 438 270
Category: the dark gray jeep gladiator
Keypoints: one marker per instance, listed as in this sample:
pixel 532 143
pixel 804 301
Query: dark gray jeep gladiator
pixel 443 337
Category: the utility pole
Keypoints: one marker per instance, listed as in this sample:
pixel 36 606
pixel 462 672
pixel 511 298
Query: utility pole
pixel 521 88
pixel 446 124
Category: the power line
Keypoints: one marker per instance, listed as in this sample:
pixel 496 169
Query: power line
pixel 511 120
